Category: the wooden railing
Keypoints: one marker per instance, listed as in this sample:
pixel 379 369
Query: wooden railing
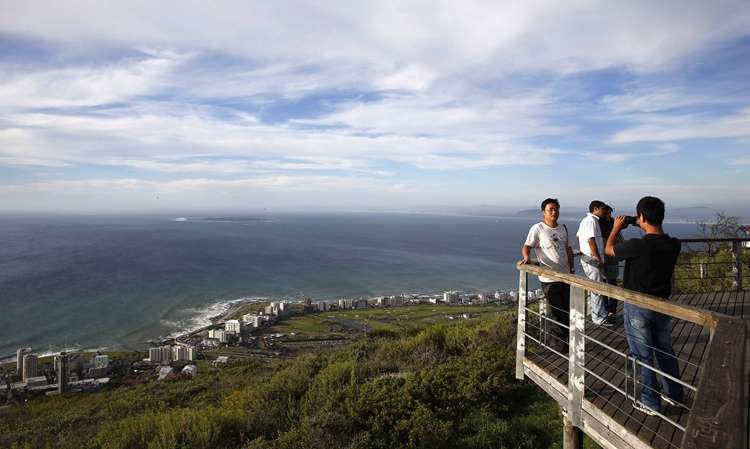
pixel 727 273
pixel 716 420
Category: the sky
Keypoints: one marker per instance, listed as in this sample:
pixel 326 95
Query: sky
pixel 349 105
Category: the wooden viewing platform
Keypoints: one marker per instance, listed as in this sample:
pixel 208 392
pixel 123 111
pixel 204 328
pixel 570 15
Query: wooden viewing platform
pixel 594 384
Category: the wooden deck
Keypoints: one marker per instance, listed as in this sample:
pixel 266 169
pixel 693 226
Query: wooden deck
pixel 609 414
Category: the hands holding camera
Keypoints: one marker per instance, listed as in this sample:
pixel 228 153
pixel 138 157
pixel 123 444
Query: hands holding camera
pixel 622 222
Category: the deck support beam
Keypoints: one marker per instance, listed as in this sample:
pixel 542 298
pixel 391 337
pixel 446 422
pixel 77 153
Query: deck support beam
pixel 576 354
pixel 572 435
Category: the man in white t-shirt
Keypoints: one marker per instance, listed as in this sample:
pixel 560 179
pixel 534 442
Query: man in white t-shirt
pixel 592 261
pixel 551 247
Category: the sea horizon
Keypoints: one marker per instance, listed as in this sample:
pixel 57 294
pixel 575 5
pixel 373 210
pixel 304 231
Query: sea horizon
pixel 116 282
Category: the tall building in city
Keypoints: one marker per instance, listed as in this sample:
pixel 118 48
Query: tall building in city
pixel 450 297
pixel 182 352
pixel 61 366
pixel 218 334
pixel 232 326
pixel 160 354
pixel 19 360
pixel 29 366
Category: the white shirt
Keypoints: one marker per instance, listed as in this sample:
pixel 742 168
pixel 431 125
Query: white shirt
pixel 589 228
pixel 550 247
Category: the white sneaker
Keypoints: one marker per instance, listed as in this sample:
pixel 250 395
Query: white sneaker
pixel 647 410
pixel 670 401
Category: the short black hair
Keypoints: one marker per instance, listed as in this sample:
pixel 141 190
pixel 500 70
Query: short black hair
pixel 550 200
pixel 652 209
pixel 596 204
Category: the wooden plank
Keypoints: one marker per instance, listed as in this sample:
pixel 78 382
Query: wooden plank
pixel 716 420
pixel 650 302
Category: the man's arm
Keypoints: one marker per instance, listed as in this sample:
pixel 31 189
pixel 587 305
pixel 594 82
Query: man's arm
pixel 525 251
pixel 612 240
pixel 595 251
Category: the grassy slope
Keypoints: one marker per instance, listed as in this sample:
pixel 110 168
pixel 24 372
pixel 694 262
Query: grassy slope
pixel 449 385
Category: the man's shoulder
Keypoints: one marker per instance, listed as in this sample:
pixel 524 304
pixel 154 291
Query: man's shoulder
pixel 585 220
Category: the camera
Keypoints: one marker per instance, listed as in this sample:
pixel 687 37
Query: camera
pixel 632 221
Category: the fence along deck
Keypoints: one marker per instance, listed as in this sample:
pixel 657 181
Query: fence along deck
pixel 594 386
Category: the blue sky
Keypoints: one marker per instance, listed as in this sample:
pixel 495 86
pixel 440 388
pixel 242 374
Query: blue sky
pixel 372 105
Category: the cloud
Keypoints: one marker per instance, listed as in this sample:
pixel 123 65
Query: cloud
pixel 88 85
pixel 615 157
pixel 654 99
pixel 231 94
pixel 439 36
pixel 687 127
pixel 742 160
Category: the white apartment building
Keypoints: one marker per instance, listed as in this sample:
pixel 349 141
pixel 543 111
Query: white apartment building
pixel 233 326
pixel 345 304
pixel 218 334
pixel 450 297
pixel 20 353
pixel 30 362
pixel 182 352
pixel 160 354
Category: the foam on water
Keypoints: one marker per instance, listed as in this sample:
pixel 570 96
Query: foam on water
pixel 200 317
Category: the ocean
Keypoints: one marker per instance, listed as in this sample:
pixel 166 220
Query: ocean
pixel 116 282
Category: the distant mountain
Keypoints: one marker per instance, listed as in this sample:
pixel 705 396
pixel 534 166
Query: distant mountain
pixel 692 213
pixel 695 213
pixel 565 213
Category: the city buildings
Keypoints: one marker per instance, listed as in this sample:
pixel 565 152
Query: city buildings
pixel 30 362
pixel 218 334
pixel 160 354
pixel 450 297
pixel 233 327
pixel 20 353
pixel 182 352
pixel 61 367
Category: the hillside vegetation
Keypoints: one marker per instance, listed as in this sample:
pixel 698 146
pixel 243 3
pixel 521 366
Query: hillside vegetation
pixel 445 386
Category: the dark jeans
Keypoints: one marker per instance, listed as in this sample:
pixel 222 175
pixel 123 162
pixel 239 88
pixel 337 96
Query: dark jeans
pixel 558 298
pixel 649 335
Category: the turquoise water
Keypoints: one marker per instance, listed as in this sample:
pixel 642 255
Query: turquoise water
pixel 118 281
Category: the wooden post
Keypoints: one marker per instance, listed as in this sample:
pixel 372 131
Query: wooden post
pixel 572 436
pixel 523 282
pixel 576 354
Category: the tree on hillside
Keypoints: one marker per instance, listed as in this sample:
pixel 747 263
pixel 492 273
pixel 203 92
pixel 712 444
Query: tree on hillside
pixel 725 226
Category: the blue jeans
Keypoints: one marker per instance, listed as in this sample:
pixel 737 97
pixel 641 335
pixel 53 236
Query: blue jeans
pixel 646 330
